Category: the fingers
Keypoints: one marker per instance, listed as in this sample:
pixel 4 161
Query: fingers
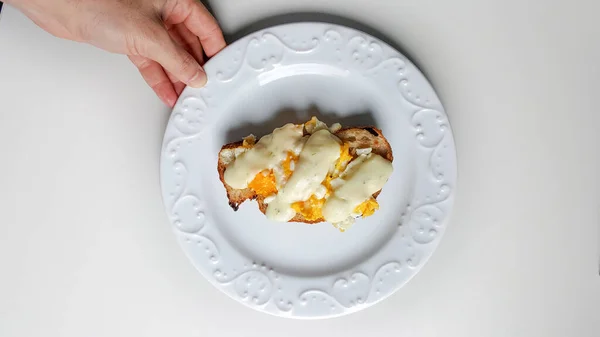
pixel 198 20
pixel 157 79
pixel 171 56
pixel 205 26
pixel 177 84
pixel 182 35
pixel 191 27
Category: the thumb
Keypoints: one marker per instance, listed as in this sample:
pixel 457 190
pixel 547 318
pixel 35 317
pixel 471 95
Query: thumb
pixel 171 56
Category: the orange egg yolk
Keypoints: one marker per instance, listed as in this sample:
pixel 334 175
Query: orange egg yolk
pixel 367 208
pixel 264 183
pixel 340 165
pixel 345 158
pixel 310 209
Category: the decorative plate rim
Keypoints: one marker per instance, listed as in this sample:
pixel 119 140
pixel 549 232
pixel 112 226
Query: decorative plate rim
pixel 258 285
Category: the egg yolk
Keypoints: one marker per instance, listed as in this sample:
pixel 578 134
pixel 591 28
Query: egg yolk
pixel 367 208
pixel 309 209
pixel 264 183
pixel 249 142
pixel 340 165
pixel 311 122
pixel 345 158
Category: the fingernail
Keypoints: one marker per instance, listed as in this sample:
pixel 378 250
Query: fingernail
pixel 199 80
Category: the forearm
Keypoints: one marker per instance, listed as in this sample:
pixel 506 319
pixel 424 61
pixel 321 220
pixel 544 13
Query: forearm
pixel 165 39
pixel 52 16
pixel 16 3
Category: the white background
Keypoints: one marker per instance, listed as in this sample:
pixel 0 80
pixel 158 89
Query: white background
pixel 86 248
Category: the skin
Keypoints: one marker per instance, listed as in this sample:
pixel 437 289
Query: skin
pixel 165 39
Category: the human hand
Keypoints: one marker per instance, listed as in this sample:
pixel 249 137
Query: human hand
pixel 165 39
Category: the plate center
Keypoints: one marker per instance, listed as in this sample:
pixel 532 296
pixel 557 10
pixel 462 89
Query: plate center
pixel 297 248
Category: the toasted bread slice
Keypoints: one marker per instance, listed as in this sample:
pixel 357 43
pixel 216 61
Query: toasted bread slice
pixel 357 138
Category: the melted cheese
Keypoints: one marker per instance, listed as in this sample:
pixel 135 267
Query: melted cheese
pixel 314 125
pixel 319 154
pixel 267 153
pixel 289 165
pixel 363 177
pixel 340 165
pixel 284 170
pixel 312 175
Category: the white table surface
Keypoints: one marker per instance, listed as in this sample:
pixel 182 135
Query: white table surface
pixel 86 248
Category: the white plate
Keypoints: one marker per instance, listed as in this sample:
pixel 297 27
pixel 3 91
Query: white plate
pixel 284 74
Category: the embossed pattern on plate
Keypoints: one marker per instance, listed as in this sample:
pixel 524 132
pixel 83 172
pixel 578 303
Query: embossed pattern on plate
pixel 297 270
